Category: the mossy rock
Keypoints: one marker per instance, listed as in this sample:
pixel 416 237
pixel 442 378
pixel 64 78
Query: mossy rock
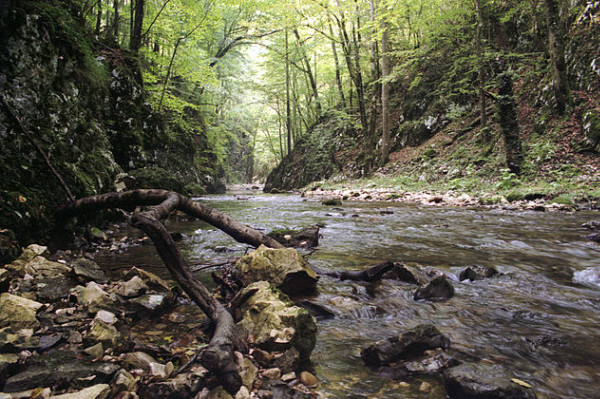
pixel 275 322
pixel 493 200
pixel 195 189
pixel 514 196
pixel 564 199
pixel 284 268
pixel 429 153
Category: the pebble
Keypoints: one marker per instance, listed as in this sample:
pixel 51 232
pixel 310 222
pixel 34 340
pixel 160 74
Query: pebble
pixel 308 379
pixel 272 374
pixel 425 387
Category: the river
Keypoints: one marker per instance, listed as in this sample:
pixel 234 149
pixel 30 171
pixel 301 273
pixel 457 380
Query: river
pixel 532 319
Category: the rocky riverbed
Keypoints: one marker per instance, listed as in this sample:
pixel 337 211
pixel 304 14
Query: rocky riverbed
pixel 68 330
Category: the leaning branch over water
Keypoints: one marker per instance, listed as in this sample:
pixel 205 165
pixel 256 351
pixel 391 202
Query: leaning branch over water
pixel 218 357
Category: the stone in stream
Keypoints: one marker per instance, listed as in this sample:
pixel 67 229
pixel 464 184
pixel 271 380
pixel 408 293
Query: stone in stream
pixel 307 237
pixel 438 289
pixel 284 268
pixel 60 368
pixel 407 274
pixel 484 381
pixel 332 201
pixel 477 272
pixel 275 323
pixel 404 345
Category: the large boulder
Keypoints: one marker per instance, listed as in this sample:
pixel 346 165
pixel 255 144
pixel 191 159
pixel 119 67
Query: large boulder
pixel 17 312
pixel 484 381
pixel 284 268
pixel 404 345
pixel 275 323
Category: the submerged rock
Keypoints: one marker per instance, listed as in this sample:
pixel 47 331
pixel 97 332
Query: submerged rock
pixel 284 268
pixel 275 323
pixel 484 381
pixel 407 274
pixel 307 237
pixel 439 289
pixel 430 364
pixel 403 345
pixel 477 272
pixel 17 312
pixel 332 201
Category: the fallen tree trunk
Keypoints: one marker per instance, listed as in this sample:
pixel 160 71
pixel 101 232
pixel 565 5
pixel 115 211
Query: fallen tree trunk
pixel 218 357
pixel 368 275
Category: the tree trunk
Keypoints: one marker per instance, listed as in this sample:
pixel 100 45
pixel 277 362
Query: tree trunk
pixel 98 19
pixel 338 69
pixel 507 114
pixel 219 356
pixel 115 27
pixel 556 48
pixel 385 95
pixel 308 70
pixel 135 41
pixel 480 60
pixel 288 114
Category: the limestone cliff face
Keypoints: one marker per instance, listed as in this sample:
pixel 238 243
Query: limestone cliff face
pixel 82 102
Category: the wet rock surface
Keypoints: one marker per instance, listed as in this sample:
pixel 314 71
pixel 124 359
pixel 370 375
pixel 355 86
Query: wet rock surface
pixel 439 289
pixel 307 237
pixel 275 323
pixel 284 268
pixel 484 381
pixel 404 345
pixel 477 272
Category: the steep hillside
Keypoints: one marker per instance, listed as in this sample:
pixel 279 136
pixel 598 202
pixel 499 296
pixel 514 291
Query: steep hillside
pixel 438 143
pixel 82 103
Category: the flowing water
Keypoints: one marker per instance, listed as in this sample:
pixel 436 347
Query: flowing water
pixel 532 319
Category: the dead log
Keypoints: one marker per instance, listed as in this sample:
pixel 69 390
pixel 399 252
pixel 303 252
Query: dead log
pixel 368 275
pixel 218 357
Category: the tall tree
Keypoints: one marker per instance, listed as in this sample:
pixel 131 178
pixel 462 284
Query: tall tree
pixel 385 93
pixel 135 41
pixel 481 62
pixel 556 48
